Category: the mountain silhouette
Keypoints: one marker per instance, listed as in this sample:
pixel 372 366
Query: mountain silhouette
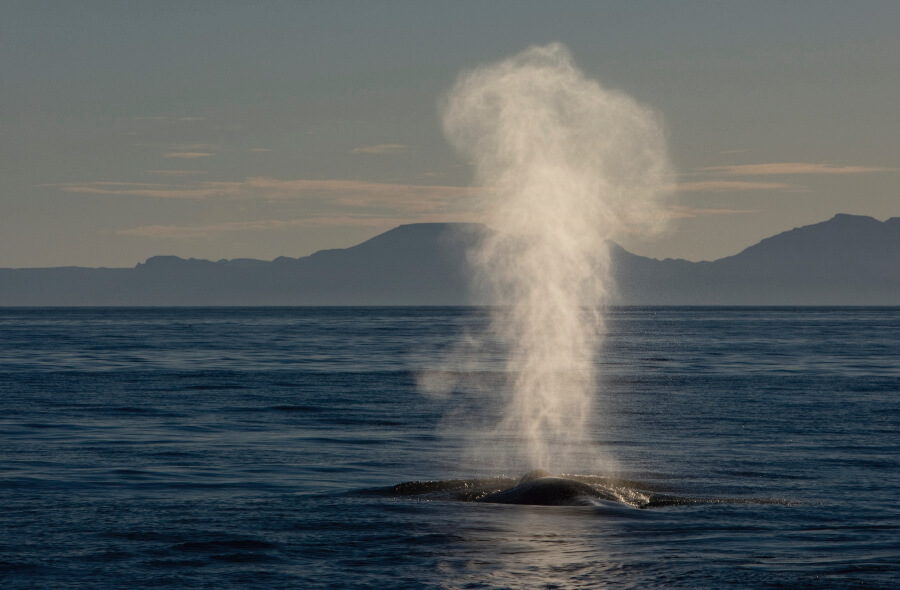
pixel 847 260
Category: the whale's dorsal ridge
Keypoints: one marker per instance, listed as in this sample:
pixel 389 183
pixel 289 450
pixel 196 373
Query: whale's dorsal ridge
pixel 540 488
pixel 533 475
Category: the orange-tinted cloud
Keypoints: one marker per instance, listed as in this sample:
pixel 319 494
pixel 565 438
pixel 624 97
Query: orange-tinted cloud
pixel 789 168
pixel 176 172
pixel 682 212
pixel 188 155
pixel 142 189
pixel 344 192
pixel 213 230
pixel 706 186
pixel 381 148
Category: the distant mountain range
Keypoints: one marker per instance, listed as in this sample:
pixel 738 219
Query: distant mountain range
pixel 847 260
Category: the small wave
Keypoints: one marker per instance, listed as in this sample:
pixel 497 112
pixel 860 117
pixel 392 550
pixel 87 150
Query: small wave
pixel 219 545
pixel 244 557
pixel 51 425
pixel 17 567
pixel 296 408
pixel 176 563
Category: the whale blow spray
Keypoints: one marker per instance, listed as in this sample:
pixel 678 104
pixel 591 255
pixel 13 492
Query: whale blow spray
pixel 566 165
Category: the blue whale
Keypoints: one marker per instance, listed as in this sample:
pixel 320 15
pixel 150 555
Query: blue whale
pixel 539 488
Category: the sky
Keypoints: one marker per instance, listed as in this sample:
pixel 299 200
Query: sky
pixel 224 130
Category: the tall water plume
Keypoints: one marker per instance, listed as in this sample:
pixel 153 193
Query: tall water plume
pixel 566 165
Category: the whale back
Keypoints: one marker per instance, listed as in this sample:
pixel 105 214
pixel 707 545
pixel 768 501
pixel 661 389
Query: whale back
pixel 544 491
pixel 533 475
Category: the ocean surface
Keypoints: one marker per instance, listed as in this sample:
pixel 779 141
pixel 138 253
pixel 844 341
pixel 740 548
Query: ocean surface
pixel 258 448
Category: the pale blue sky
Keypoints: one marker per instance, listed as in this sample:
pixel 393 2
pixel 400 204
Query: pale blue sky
pixel 237 129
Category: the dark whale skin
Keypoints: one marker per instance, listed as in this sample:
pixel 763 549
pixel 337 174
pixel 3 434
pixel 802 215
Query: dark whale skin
pixel 544 491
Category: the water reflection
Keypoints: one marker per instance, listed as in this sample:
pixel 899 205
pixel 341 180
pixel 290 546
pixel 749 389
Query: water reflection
pixel 535 547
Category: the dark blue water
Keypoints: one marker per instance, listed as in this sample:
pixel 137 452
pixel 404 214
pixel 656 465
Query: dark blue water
pixel 250 448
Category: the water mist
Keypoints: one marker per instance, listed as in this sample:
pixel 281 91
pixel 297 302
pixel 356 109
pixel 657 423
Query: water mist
pixel 566 165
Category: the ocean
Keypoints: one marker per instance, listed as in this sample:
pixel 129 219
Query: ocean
pixel 260 448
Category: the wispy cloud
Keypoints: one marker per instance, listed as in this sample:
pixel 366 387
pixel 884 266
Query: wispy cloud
pixel 188 155
pixel 381 148
pixel 790 168
pixel 210 230
pixel 195 147
pixel 332 202
pixel 718 179
pixel 141 189
pixel 345 193
pixel 166 118
pixel 682 212
pixel 214 230
pixel 176 172
pixel 710 186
